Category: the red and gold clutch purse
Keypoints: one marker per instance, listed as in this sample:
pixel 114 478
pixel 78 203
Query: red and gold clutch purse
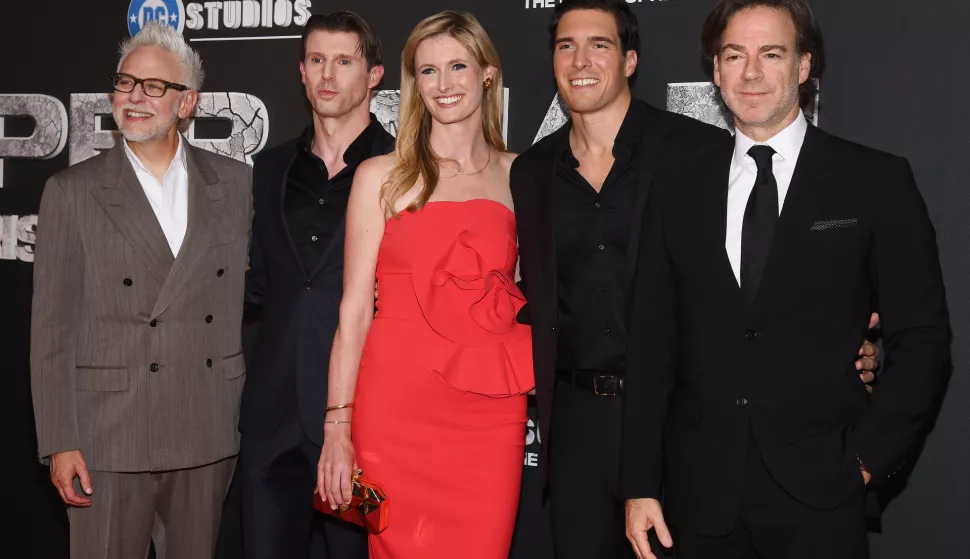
pixel 368 507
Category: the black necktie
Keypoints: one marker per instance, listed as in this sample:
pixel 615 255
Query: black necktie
pixel 758 228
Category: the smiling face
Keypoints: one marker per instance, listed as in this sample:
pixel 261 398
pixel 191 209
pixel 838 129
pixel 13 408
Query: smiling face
pixel 449 79
pixel 335 74
pixel 141 118
pixel 590 65
pixel 759 70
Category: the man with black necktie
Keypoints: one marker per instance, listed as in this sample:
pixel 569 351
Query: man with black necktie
pixel 789 240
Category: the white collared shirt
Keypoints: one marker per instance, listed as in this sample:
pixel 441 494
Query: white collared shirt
pixel 169 198
pixel 787 145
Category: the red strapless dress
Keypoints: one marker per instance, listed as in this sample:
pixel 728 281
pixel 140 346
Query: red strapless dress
pixel 440 410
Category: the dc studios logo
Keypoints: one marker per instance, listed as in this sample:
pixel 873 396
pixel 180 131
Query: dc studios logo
pixel 141 12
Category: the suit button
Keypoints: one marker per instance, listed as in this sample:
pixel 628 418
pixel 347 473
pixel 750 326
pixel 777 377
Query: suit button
pixel 153 367
pixel 208 319
pixel 741 402
pixel 602 247
pixel 220 272
pixel 308 285
pixel 750 335
pixel 153 323
pixel 127 282
pixel 208 363
pixel 607 331
pixel 553 328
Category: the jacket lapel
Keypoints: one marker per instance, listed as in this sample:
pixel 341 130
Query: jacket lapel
pixel 807 193
pixel 545 204
pixel 651 145
pixel 123 199
pixel 206 200
pixel 717 177
pixel 278 210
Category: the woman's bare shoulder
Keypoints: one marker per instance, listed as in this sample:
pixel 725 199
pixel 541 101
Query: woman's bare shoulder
pixel 376 168
pixel 506 158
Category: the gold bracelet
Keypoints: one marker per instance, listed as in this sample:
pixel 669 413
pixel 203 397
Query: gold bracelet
pixel 340 407
pixel 336 422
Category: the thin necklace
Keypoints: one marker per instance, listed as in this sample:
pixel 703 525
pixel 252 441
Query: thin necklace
pixel 456 173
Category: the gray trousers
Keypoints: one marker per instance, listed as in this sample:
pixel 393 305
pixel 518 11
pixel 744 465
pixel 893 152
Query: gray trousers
pixel 179 510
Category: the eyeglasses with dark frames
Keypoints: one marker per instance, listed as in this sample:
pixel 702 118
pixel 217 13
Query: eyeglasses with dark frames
pixel 153 87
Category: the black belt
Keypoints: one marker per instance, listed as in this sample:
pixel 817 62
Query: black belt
pixel 595 381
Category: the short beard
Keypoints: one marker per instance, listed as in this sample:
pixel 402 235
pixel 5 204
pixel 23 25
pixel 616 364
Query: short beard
pixel 159 131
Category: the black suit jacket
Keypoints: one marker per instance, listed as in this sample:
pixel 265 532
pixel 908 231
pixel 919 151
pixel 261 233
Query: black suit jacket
pixel 297 308
pixel 668 139
pixel 706 369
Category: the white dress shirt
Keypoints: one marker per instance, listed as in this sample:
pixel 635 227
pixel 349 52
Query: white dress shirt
pixel 169 198
pixel 787 145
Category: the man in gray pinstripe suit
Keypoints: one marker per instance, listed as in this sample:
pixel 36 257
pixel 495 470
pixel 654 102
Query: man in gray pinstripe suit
pixel 136 358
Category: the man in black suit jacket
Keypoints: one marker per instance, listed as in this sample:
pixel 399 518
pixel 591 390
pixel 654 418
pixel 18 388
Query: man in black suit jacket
pixel 579 196
pixel 294 286
pixel 752 463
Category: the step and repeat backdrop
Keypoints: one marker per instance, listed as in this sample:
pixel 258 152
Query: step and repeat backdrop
pixel 895 81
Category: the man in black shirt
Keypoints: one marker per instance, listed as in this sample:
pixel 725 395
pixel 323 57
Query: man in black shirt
pixel 579 198
pixel 592 232
pixel 294 288
pixel 315 202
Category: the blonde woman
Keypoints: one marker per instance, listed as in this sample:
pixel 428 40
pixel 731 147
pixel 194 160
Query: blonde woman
pixel 427 396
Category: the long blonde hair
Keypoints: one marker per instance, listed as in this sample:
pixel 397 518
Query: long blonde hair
pixel 415 159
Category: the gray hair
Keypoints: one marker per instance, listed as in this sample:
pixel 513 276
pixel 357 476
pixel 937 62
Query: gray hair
pixel 163 36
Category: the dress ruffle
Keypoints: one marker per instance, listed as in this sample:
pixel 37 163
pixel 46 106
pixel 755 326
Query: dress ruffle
pixel 473 306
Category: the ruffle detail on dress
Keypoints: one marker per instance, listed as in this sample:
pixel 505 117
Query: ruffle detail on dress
pixel 473 305
pixel 497 370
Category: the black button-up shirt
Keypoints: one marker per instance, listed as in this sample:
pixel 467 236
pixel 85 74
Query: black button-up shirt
pixel 315 204
pixel 592 233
